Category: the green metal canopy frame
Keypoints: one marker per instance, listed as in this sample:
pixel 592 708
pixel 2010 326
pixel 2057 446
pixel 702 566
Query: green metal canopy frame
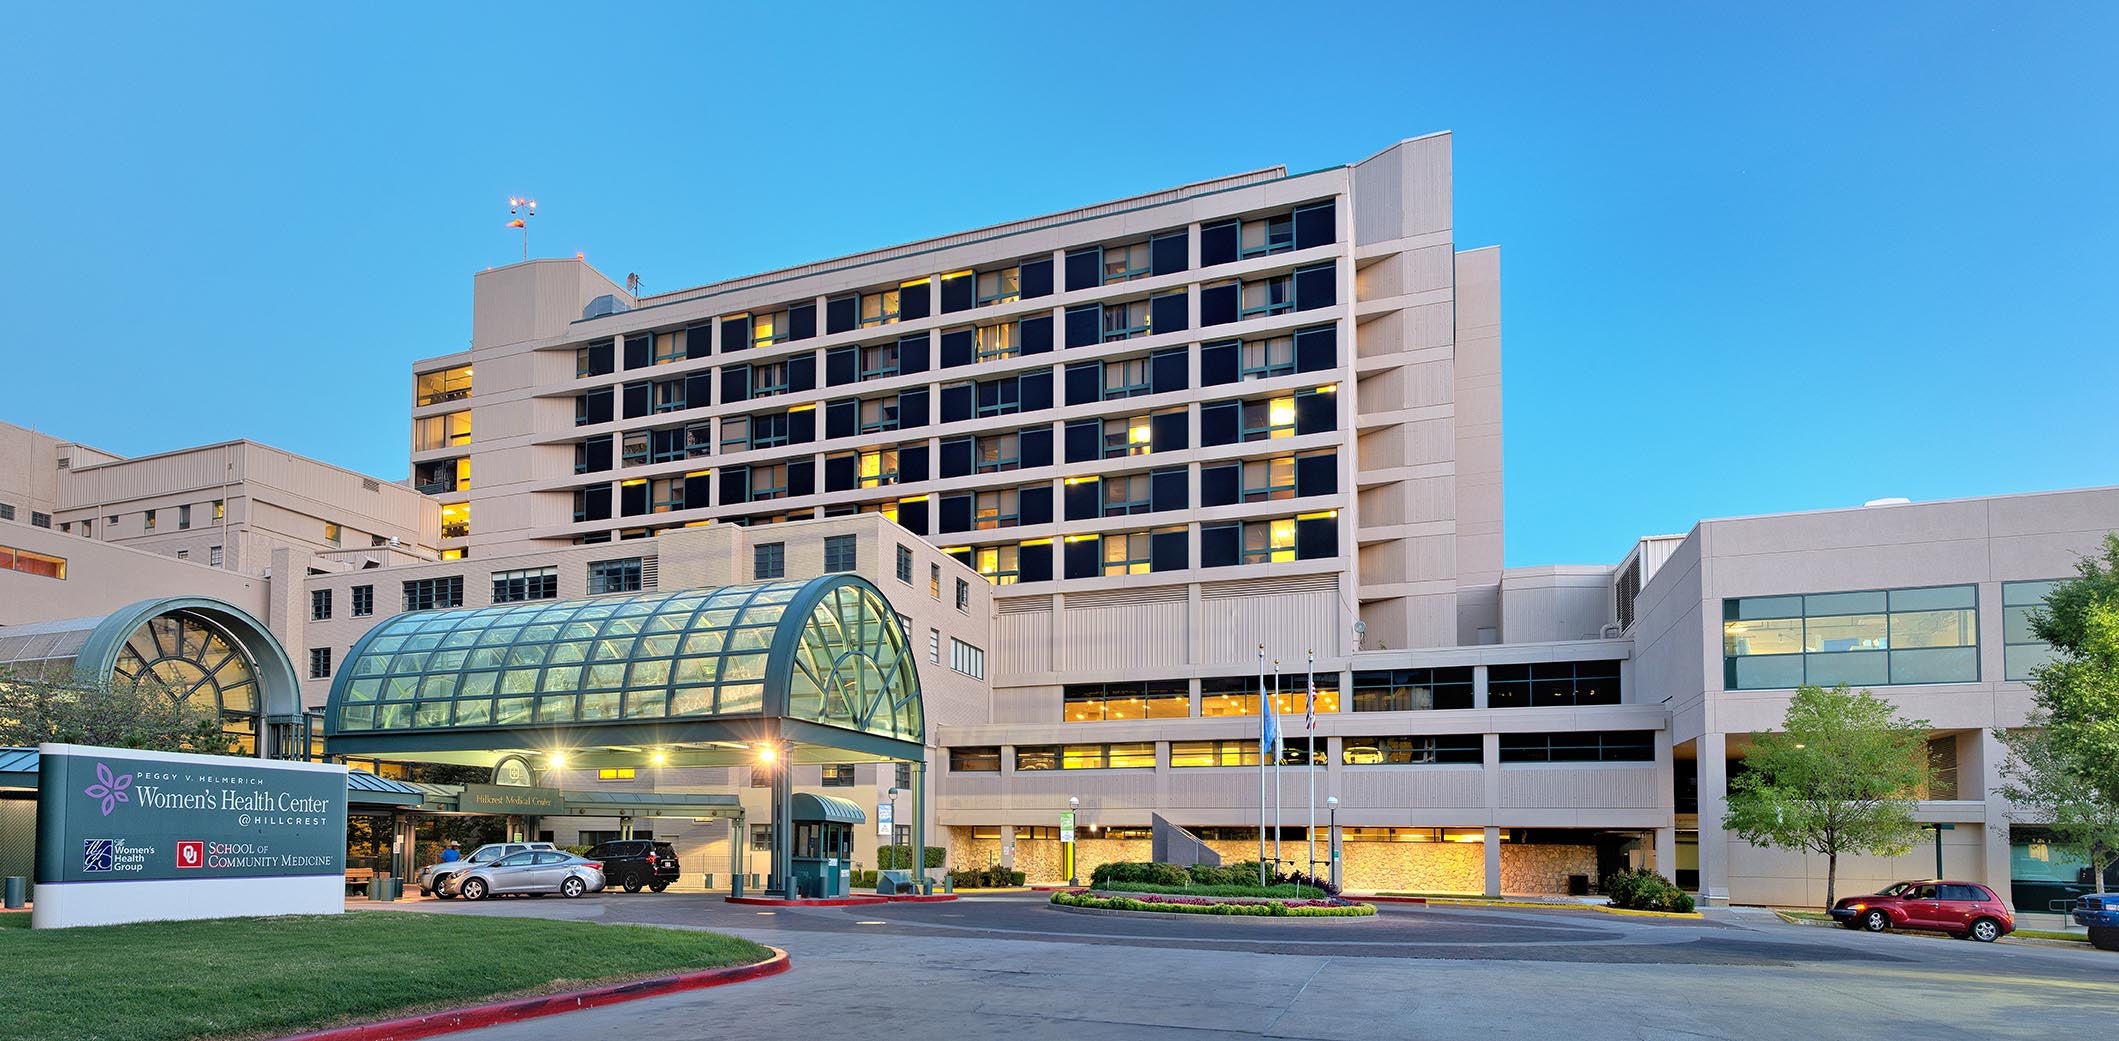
pixel 819 668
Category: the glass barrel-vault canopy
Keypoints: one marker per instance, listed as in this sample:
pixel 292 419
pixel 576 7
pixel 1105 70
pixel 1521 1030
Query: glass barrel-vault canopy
pixel 640 669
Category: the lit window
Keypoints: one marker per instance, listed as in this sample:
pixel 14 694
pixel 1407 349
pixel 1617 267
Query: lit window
pixel 1000 287
pixel 996 509
pixel 30 563
pixel 1126 554
pixel 1268 479
pixel 1269 541
pixel 879 308
pixel 1128 435
pixel 444 385
pixel 997 563
pixel 442 431
pixel 615 773
pixel 998 341
pixel 331 531
pixel 455 520
pixel 879 467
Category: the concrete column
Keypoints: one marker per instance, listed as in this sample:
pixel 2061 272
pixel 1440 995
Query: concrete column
pixel 1008 846
pixel 1666 853
pixel 1992 865
pixel 1713 755
pixel 1479 686
pixel 1493 861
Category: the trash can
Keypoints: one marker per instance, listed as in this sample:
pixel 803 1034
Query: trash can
pixel 17 891
pixel 397 888
pixel 845 887
pixel 377 886
pixel 1578 885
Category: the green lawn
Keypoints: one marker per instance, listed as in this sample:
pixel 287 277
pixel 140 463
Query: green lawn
pixel 1290 890
pixel 163 981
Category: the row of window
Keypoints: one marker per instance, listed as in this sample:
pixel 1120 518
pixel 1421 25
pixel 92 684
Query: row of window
pixel 1014 394
pixel 1539 684
pixel 1165 253
pixel 1086 440
pixel 1586 746
pixel 1226 544
pixel 1865 638
pixel 624 575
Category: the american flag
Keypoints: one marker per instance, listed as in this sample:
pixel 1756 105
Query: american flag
pixel 1309 705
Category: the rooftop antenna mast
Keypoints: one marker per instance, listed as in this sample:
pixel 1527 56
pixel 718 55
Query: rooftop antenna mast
pixel 522 209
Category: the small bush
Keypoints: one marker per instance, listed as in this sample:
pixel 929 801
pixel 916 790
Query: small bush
pixel 899 858
pixel 1139 872
pixel 863 881
pixel 1644 891
pixel 994 877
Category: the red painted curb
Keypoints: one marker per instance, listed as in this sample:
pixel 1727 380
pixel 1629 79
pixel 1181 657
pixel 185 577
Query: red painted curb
pixel 1388 899
pixel 914 898
pixel 549 1005
pixel 779 901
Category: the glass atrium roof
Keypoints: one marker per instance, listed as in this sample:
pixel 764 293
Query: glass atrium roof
pixel 827 650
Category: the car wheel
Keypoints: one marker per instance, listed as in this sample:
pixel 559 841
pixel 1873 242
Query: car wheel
pixel 658 886
pixel 632 884
pixel 2104 938
pixel 1985 930
pixel 573 887
pixel 474 889
pixel 1876 921
pixel 438 890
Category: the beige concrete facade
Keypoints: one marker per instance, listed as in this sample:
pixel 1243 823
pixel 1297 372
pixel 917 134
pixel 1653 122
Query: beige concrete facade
pixel 1486 729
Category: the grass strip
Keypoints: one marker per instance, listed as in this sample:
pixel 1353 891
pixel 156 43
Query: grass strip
pixel 169 981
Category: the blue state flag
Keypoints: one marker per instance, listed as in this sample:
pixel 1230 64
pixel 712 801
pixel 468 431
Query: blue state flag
pixel 1269 739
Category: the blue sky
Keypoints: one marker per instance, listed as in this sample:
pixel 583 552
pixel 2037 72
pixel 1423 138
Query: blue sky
pixel 1750 263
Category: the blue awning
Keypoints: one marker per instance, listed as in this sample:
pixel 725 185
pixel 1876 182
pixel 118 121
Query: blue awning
pixel 807 807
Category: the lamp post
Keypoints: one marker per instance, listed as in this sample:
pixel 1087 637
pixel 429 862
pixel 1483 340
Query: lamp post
pixel 1073 806
pixel 1331 803
pixel 522 210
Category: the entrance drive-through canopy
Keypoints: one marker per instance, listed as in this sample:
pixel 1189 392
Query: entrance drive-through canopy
pixel 817 668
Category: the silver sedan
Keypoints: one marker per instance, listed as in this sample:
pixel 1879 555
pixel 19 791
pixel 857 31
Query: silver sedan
pixel 534 871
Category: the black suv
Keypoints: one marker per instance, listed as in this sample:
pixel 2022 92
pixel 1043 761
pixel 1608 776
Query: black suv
pixel 634 863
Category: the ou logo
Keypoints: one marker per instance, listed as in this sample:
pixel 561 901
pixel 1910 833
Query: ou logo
pixel 191 854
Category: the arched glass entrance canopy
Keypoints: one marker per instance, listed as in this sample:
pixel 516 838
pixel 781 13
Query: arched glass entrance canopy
pixel 206 653
pixel 817 668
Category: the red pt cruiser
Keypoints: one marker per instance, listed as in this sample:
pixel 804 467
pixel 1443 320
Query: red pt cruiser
pixel 1967 910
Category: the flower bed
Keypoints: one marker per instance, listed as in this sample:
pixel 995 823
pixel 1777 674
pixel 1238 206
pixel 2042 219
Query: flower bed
pixel 1165 903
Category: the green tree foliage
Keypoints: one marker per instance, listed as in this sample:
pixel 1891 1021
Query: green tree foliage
pixel 1839 777
pixel 2064 766
pixel 115 713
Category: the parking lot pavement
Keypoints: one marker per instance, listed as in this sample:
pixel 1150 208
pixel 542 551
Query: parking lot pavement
pixel 1014 965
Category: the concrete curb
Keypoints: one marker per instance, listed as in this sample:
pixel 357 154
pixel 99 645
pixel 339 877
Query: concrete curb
pixel 839 901
pixel 1502 905
pixel 547 1005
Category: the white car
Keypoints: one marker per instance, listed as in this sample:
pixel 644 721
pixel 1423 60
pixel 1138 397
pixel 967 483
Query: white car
pixel 433 876
pixel 534 871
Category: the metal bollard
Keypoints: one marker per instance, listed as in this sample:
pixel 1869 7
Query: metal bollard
pixel 17 891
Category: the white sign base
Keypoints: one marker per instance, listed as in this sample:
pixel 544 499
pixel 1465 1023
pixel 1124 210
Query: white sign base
pixel 63 904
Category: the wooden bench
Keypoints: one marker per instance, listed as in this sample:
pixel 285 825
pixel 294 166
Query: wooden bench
pixel 358 878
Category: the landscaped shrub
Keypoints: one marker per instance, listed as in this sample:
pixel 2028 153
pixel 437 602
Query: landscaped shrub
pixel 863 881
pixel 1138 871
pixel 1297 878
pixel 1200 905
pixel 994 877
pixel 899 858
pixel 1242 874
pixel 1644 891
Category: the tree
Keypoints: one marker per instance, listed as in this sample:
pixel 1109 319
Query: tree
pixel 2064 765
pixel 116 713
pixel 2045 787
pixel 1838 777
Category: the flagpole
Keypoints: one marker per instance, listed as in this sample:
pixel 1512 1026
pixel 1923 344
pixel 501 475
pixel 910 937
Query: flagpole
pixel 1276 766
pixel 1309 721
pixel 1261 766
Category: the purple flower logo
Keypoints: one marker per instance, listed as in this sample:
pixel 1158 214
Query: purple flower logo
pixel 111 789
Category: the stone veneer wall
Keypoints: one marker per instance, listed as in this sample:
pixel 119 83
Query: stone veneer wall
pixel 1544 869
pixel 1369 867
